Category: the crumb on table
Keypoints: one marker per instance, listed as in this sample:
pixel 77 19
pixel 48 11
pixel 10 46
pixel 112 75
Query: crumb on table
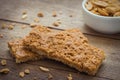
pixel 27 71
pixel 40 14
pixel 4 70
pixel 44 69
pixel 21 74
pixel 3 62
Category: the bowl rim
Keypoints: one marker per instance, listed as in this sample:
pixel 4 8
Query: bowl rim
pixel 83 5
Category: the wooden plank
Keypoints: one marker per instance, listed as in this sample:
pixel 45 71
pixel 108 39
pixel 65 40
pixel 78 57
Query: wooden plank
pixel 109 69
pixel 40 75
pixel 12 10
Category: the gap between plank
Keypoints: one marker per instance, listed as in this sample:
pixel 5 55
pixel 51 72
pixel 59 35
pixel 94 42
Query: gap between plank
pixel 96 35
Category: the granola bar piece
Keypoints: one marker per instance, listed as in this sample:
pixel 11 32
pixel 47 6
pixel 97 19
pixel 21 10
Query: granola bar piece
pixel 70 47
pixel 20 53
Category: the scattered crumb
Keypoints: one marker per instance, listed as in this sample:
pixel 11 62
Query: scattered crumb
pixel 3 62
pixel 4 26
pixel 44 69
pixel 70 15
pixel 1 36
pixel 50 76
pixel 36 20
pixel 27 71
pixel 24 16
pixel 54 14
pixel 35 78
pixel 69 77
pixel 10 27
pixel 24 12
pixel 21 74
pixel 24 26
pixel 56 23
pixel 13 24
pixel 32 25
pixel 40 14
pixel 4 71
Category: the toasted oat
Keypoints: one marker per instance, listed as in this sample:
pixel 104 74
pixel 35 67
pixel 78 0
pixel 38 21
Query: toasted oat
pixel 24 16
pixel 54 14
pixel 56 23
pixel 27 71
pixel 24 12
pixel 32 25
pixel 44 69
pixel 50 76
pixel 4 26
pixel 102 12
pixel 3 62
pixel 89 5
pixel 23 27
pixel 69 77
pixel 10 27
pixel 1 35
pixel 100 3
pixel 104 7
pixel 40 14
pixel 4 71
pixel 21 74
pixel 117 14
pixel 37 20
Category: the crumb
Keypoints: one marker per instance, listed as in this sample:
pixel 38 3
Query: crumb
pixel 27 71
pixel 1 36
pixel 4 26
pixel 13 24
pixel 54 14
pixel 32 25
pixel 40 14
pixel 22 74
pixel 24 16
pixel 24 12
pixel 3 62
pixel 44 69
pixel 70 15
pixel 56 23
pixel 69 77
pixel 50 76
pixel 35 78
pixel 36 20
pixel 24 26
pixel 10 27
pixel 4 71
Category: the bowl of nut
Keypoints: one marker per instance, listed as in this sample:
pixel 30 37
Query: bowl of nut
pixel 102 15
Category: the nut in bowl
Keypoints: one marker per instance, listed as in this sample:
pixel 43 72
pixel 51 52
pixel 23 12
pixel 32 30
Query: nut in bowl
pixel 102 15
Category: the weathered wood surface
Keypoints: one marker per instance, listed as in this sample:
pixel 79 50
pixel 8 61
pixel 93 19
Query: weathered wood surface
pixel 11 11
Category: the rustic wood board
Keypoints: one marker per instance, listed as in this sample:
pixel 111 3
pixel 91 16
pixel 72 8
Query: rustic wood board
pixel 11 11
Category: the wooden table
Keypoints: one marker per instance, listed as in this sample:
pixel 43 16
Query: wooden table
pixel 11 13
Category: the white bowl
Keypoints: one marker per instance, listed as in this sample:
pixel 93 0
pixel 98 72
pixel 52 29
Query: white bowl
pixel 103 24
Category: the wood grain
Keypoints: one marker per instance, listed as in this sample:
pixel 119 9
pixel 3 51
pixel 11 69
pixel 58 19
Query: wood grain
pixel 109 69
pixel 12 10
